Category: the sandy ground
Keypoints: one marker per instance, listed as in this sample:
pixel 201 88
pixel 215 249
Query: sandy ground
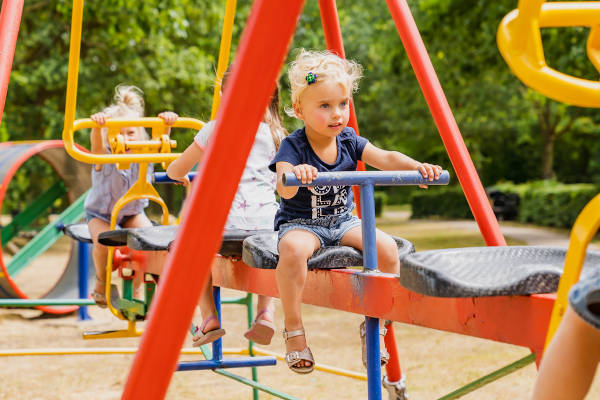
pixel 435 363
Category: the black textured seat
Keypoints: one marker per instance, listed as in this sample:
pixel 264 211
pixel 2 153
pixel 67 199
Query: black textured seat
pixel 487 271
pixel 260 251
pixel 79 232
pixel 118 237
pixel 158 238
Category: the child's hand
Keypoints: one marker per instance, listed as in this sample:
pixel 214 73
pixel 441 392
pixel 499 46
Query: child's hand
pixel 429 172
pixel 305 173
pixel 169 117
pixel 184 180
pixel 99 118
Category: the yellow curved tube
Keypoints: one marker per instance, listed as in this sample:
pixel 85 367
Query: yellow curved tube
pixel 520 43
pixel 583 231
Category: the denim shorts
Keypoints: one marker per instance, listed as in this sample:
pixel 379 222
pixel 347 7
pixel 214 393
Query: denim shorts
pixel 89 215
pixel 329 229
pixel 584 298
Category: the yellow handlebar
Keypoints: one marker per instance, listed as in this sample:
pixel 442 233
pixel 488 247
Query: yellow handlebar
pixel 520 43
pixel 155 150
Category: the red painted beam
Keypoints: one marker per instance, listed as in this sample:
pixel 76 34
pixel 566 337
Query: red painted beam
pixel 261 53
pixel 10 20
pixel 518 320
pixel 445 122
pixel 334 42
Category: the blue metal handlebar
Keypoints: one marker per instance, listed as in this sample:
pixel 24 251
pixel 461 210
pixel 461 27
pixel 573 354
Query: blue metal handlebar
pixel 161 177
pixel 376 178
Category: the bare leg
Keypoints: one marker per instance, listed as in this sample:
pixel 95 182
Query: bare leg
pixel 207 306
pixel 99 252
pixel 570 361
pixel 295 248
pixel 265 303
pixel 387 251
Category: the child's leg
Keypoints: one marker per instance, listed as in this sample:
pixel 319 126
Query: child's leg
pixel 295 248
pixel 387 261
pixel 387 250
pixel 207 307
pixel 99 252
pixel 570 361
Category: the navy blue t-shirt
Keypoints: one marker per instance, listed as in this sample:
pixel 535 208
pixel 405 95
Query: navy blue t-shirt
pixel 320 201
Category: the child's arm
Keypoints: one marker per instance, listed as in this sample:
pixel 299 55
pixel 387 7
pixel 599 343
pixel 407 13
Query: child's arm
pixel 170 118
pixel 304 172
pixel 396 161
pixel 97 146
pixel 179 168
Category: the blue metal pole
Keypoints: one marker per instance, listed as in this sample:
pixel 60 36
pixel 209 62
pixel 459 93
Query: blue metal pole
pixel 161 177
pixel 367 209
pixel 369 239
pixel 83 263
pixel 373 358
pixel 357 178
pixel 217 345
pixel 226 363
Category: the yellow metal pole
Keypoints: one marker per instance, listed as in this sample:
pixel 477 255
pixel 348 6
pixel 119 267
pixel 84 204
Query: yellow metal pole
pixel 74 49
pixel 224 50
pixel 583 231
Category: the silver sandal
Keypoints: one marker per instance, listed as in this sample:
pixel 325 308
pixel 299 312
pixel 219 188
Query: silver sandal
pixel 383 354
pixel 293 358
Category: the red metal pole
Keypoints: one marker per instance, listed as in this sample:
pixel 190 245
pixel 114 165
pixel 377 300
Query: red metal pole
pixel 445 122
pixel 335 44
pixel 10 20
pixel 261 53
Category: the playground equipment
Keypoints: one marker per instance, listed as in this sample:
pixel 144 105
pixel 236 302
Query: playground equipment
pixel 73 182
pixel 520 43
pixel 489 317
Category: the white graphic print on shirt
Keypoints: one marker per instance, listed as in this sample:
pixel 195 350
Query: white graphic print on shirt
pixel 319 204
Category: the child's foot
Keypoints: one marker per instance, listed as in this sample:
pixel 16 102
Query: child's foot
pixel 208 332
pixel 98 295
pixel 298 355
pixel 262 329
pixel 384 356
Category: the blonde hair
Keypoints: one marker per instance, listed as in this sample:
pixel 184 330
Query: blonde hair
pixel 327 67
pixel 272 116
pixel 128 103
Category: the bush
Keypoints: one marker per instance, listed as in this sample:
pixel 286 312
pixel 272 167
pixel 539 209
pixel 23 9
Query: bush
pixel 555 204
pixel 447 202
pixel 380 201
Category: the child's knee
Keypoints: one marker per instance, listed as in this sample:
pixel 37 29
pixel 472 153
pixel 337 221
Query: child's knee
pixel 387 254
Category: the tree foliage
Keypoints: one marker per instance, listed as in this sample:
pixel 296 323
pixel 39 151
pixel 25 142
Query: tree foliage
pixel 169 49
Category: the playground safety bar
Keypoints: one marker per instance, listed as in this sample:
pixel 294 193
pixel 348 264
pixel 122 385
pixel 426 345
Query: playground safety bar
pixel 154 123
pixel 162 177
pixel 367 180
pixel 358 178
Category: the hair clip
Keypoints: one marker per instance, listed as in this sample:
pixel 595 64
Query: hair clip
pixel 311 78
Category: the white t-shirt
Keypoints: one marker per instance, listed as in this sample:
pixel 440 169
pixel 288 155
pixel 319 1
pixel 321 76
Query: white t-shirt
pixel 254 205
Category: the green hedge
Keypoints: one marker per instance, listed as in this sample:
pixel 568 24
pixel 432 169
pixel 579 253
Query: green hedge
pixel 555 204
pixel 447 202
pixel 545 203
pixel 380 201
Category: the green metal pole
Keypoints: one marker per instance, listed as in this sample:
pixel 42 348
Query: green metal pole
pixel 510 368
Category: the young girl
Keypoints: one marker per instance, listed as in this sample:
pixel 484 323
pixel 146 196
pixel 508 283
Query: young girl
pixel 110 183
pixel 322 85
pixel 253 208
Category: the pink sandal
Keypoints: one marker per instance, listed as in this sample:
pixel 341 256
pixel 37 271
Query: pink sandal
pixel 261 331
pixel 199 337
